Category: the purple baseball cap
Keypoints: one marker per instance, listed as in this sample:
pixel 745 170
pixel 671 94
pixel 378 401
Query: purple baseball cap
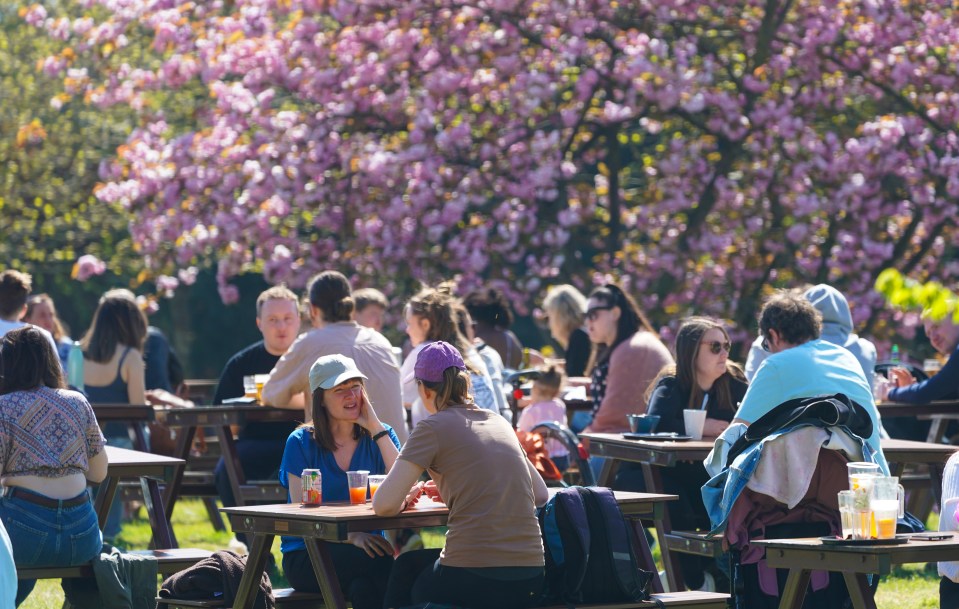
pixel 434 359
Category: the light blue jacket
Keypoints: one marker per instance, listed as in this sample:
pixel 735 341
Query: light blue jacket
pixel 724 488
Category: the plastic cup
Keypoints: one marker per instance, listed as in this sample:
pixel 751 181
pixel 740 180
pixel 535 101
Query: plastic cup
pixel 887 502
pixel 357 482
pixel 260 380
pixel 694 421
pixel 375 481
pixel 931 366
pixel 847 512
pixel 249 387
pixel 861 474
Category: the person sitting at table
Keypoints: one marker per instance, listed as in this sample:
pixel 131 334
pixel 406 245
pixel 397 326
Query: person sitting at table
pixel 345 435
pixel 546 406
pixel 703 376
pixel 42 313
pixel 335 332
pixel 371 306
pixel 431 316
pixel 565 309
pixel 260 445
pixel 800 365
pixel 491 313
pixel 50 446
pixel 902 387
pixel 113 369
pixel 15 288
pixel 493 556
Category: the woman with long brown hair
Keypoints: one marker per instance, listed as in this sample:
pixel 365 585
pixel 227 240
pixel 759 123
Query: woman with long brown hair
pixel 50 447
pixel 702 378
pixel 345 435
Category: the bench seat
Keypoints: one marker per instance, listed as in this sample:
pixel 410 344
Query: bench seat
pixel 168 561
pixel 286 598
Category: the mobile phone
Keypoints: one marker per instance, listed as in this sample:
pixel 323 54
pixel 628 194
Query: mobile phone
pixel 931 536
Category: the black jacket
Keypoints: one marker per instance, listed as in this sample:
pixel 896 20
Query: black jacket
pixel 217 577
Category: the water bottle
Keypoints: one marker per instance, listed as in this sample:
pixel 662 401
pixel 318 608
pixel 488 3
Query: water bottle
pixel 894 357
pixel 75 366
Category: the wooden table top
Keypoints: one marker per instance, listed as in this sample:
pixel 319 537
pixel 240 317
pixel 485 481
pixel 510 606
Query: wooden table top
pixel 902 409
pixel 225 414
pixel 123 412
pixel 812 553
pixel 124 462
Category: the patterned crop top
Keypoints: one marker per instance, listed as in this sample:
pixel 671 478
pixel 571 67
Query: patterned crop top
pixel 47 432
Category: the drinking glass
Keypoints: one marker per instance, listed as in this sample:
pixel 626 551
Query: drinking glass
pixel 847 512
pixel 357 482
pixel 888 502
pixel 375 481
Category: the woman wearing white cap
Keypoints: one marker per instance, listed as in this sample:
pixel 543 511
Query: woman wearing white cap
pixel 345 435
pixel 493 555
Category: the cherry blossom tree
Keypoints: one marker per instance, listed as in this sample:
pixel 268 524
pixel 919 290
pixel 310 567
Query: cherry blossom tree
pixel 700 151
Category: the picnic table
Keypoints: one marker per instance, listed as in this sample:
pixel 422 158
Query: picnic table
pixel 221 418
pixel 802 556
pixel 940 412
pixel 136 416
pixel 332 522
pixel 150 469
pixel 655 455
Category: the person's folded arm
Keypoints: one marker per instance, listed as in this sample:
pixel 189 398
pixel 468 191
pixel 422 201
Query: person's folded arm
pixel 97 467
pixel 391 496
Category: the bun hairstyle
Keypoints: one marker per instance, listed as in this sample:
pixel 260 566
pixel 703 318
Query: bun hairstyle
pixel 330 292
pixel 550 380
pixel 438 306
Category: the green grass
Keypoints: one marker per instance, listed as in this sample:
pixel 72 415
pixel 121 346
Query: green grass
pixel 193 530
pixel 911 587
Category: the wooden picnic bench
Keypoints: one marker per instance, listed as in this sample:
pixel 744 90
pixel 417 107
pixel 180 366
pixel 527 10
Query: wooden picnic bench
pixel 287 598
pixel 169 561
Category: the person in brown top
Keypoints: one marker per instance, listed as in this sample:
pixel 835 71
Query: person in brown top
pixel 493 555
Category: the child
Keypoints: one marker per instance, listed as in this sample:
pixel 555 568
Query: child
pixel 546 406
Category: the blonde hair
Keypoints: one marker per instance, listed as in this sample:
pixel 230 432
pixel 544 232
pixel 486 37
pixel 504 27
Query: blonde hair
pixel 568 305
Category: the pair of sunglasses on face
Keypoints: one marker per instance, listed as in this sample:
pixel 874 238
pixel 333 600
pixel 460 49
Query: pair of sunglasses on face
pixel 716 346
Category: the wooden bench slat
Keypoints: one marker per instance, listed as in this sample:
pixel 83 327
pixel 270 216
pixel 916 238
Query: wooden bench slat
pixel 691 598
pixel 168 561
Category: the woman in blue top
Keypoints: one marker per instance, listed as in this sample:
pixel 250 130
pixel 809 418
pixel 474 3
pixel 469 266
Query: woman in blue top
pixel 345 435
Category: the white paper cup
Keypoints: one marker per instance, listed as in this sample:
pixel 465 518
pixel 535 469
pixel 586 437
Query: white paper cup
pixel 694 421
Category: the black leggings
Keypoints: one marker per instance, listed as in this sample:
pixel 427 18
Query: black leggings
pixel 362 579
pixel 418 577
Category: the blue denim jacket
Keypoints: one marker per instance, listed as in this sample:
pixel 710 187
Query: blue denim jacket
pixel 722 490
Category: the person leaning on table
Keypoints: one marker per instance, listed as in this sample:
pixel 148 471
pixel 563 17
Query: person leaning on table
pixel 50 446
pixel 345 435
pixel 493 556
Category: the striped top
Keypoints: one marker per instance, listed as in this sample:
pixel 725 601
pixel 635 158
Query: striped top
pixel 47 432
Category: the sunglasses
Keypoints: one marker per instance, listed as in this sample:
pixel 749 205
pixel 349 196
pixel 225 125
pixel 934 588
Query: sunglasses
pixel 765 344
pixel 593 313
pixel 715 346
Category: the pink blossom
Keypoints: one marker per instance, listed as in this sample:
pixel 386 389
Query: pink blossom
pixel 88 266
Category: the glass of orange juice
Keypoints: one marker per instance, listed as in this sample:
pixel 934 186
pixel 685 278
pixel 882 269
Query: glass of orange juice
pixel 357 481
pixel 375 481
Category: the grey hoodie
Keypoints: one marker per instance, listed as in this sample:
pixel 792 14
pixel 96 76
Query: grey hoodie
pixel 836 328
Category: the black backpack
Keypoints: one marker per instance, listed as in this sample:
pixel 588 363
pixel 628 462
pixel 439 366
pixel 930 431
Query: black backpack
pixel 589 558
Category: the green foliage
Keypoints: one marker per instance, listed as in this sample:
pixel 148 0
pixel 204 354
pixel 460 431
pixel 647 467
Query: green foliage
pixel 934 299
pixel 49 158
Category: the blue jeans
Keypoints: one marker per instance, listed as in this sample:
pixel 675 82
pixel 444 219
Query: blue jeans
pixel 49 537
